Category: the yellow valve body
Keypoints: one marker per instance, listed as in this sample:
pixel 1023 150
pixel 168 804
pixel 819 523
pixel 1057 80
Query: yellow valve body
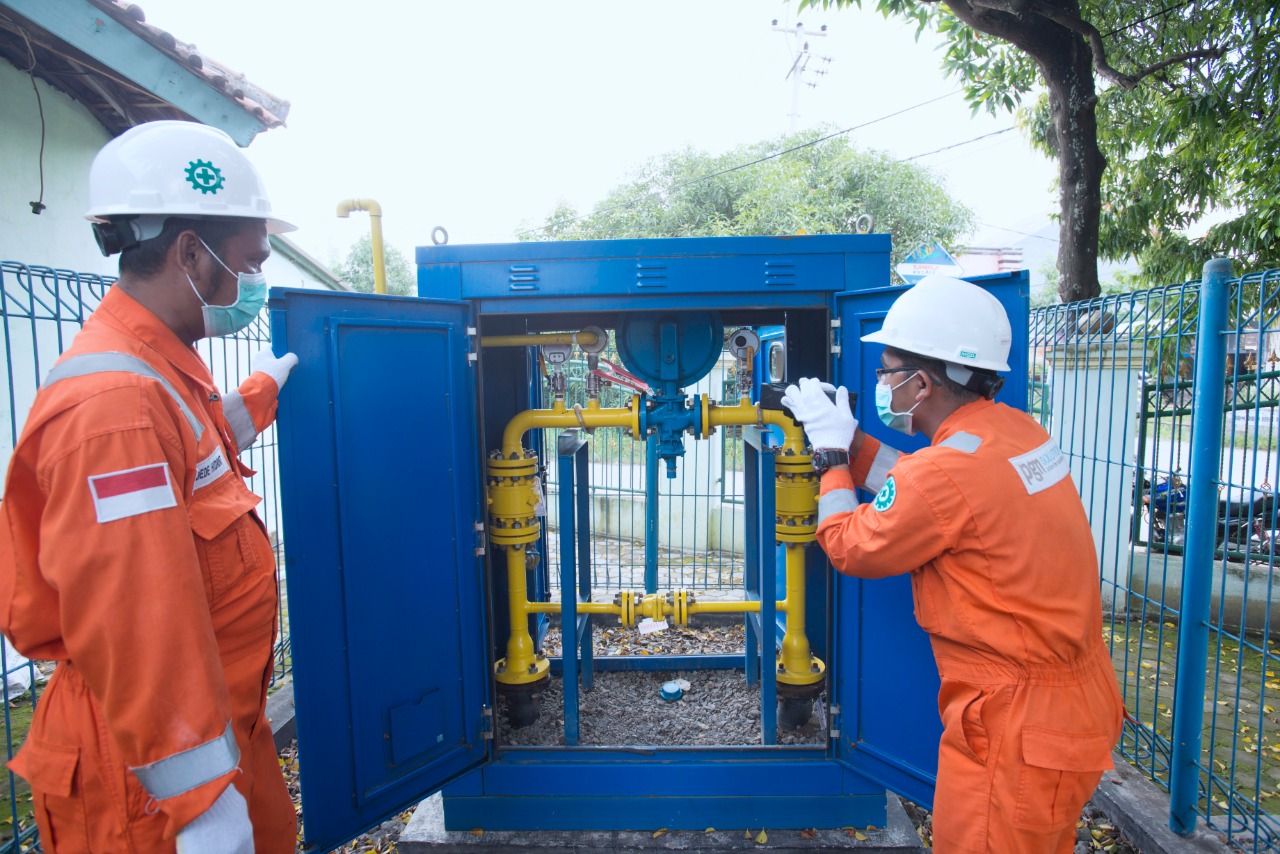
pixel 796 499
pixel 514 495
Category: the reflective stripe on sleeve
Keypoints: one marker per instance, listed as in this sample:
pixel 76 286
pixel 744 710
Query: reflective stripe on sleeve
pixel 98 363
pixel 239 418
pixel 885 459
pixel 188 769
pixel 836 501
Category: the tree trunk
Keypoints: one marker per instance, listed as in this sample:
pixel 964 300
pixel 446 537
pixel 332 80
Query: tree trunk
pixel 1066 63
pixel 1072 103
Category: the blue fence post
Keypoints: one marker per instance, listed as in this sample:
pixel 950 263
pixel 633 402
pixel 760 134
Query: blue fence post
pixel 1198 556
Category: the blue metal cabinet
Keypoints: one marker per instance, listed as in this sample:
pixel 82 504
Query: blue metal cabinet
pixel 384 429
pixel 380 501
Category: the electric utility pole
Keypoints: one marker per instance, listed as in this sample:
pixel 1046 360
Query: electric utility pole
pixel 800 64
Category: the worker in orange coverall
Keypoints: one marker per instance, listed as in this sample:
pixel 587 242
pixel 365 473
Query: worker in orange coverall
pixel 130 550
pixel 1003 571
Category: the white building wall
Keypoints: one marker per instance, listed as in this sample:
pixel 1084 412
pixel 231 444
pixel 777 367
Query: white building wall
pixel 59 237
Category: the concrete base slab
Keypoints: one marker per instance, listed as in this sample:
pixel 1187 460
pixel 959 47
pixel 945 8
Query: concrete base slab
pixel 425 833
pixel 1140 810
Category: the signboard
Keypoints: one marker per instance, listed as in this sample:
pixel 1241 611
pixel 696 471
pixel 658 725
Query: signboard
pixel 927 261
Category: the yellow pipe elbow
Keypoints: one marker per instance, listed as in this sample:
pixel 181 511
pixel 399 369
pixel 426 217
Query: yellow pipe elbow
pixel 558 416
pixel 345 209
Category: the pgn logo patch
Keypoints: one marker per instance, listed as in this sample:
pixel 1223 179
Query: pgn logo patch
pixel 886 496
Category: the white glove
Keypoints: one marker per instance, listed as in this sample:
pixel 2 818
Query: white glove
pixel 223 828
pixel 276 368
pixel 828 425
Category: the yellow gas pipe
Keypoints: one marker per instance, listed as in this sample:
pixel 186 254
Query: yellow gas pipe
pixel 538 339
pixel 513 494
pixel 375 227
pixel 558 415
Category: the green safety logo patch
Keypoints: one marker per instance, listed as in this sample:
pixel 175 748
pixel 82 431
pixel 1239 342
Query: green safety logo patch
pixel 204 176
pixel 886 495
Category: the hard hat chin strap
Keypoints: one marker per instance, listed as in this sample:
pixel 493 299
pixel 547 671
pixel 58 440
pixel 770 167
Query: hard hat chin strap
pixel 985 383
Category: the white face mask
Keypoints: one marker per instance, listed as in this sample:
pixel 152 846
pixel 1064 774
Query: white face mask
pixel 251 295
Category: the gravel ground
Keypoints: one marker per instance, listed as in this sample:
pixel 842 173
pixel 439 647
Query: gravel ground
pixel 624 708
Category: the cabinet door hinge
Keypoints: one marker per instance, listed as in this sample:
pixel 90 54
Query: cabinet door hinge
pixel 835 336
pixel 473 353
pixel 486 723
pixel 479 529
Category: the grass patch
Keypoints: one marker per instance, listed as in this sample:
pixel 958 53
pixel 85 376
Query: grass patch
pixel 1241 732
pixel 15 794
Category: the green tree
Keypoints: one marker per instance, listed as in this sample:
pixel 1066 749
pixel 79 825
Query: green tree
pixel 821 187
pixel 1157 113
pixel 357 269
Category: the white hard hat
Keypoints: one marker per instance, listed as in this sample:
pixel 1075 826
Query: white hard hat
pixel 162 169
pixel 949 319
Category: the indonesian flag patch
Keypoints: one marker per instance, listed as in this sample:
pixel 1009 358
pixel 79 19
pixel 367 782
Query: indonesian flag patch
pixel 121 494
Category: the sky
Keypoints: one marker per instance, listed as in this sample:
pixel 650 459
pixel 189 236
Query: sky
pixel 480 117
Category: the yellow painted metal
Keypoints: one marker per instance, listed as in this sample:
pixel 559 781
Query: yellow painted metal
pixel 746 412
pixel 538 339
pixel 558 416
pixel 627 608
pixel 513 495
pixel 797 665
pixel 375 227
pixel 522 665
pixel 583 608
pixel 750 607
pixel 795 499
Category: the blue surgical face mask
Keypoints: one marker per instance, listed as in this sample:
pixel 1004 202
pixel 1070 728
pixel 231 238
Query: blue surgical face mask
pixel 901 421
pixel 251 295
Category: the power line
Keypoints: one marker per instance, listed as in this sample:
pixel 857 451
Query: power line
pixel 956 145
pixel 1023 233
pixel 776 154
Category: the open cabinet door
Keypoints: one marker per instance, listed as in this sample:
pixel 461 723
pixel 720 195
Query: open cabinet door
pixel 889 699
pixel 379 493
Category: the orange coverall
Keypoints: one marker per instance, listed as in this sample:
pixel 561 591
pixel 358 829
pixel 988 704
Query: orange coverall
pixel 1004 578
pixel 130 552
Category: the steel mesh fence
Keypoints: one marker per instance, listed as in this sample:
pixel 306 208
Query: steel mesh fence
pixel 1114 381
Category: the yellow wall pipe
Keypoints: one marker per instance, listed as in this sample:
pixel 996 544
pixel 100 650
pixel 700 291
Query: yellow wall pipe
pixel 375 226
pixel 559 416
pixel 536 340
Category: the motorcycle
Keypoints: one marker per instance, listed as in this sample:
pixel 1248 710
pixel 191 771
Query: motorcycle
pixel 1243 526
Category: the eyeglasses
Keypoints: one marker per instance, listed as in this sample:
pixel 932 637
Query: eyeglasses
pixel 881 373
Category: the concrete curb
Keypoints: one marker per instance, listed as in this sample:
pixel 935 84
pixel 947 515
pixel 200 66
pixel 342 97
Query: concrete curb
pixel 1140 810
pixel 284 727
pixel 425 833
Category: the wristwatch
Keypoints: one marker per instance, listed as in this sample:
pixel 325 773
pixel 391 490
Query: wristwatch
pixel 825 458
